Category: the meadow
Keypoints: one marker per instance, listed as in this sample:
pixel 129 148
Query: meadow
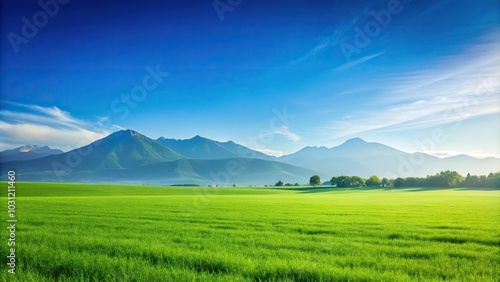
pixel 97 232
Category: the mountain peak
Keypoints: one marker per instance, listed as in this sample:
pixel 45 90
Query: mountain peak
pixel 125 149
pixel 199 138
pixel 355 141
pixel 359 147
pixel 28 148
pixel 126 132
pixel 202 148
pixel 132 132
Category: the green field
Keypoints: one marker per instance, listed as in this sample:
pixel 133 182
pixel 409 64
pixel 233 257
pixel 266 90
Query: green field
pixel 80 232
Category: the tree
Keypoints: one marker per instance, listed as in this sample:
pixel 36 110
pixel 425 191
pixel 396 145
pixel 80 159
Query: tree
pixel 333 181
pixel 315 180
pixel 349 181
pixel 279 183
pixel 357 181
pixel 373 181
pixel 445 179
pixel 471 181
pixel 343 181
pixel 385 182
pixel 398 182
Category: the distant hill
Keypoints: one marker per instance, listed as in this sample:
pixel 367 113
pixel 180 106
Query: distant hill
pixel 27 152
pixel 120 150
pixel 205 149
pixel 354 157
pixel 199 172
pixel 128 156
pixel 358 157
pixel 463 164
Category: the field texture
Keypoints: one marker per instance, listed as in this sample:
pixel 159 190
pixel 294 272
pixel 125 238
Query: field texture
pixel 77 232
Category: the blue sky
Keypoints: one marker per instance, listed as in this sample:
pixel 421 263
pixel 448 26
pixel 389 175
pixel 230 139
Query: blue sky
pixel 273 75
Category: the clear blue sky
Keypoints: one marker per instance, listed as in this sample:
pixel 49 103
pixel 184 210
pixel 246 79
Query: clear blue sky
pixel 429 72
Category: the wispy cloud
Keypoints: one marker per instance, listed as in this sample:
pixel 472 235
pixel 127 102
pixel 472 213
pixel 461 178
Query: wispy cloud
pixel 14 135
pixel 354 63
pixel 420 114
pixel 446 154
pixel 432 9
pixel 285 131
pixel 43 115
pixel 457 87
pixel 311 53
pixel 33 124
pixel 333 39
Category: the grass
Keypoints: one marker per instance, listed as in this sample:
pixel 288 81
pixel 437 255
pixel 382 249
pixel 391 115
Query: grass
pixel 85 232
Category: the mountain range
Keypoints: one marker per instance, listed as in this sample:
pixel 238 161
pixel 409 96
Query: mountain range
pixel 27 152
pixel 127 156
pixel 206 149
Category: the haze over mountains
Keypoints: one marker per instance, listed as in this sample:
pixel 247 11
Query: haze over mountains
pixel 368 158
pixel 128 156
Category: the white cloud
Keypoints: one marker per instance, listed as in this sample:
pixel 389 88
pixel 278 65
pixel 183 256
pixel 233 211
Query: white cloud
pixel 285 131
pixel 14 135
pixel 32 124
pixel 53 113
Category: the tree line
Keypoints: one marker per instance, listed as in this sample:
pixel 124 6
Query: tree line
pixel 443 179
pixel 450 179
